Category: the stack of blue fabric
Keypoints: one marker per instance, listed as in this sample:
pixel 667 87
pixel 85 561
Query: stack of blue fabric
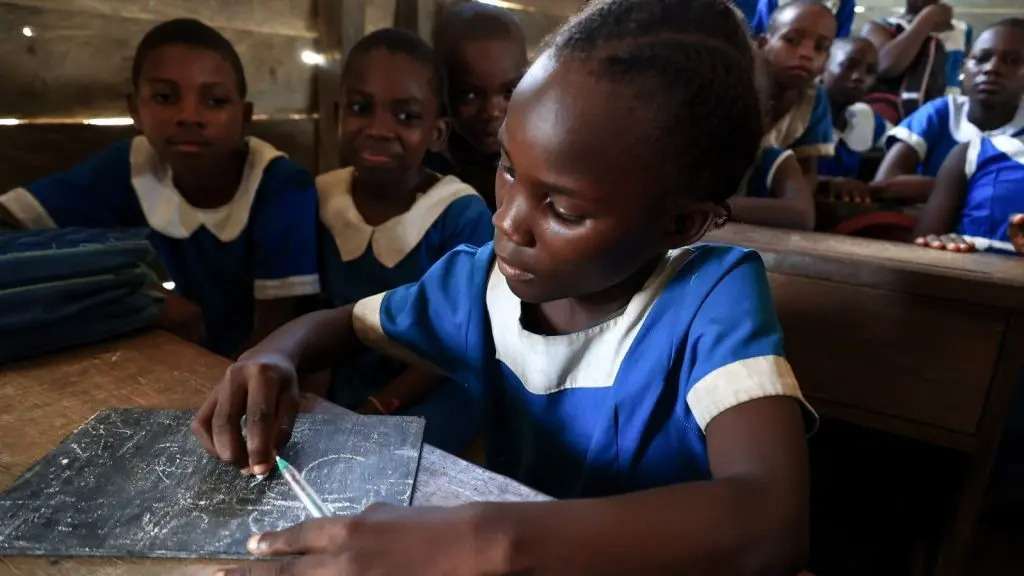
pixel 72 286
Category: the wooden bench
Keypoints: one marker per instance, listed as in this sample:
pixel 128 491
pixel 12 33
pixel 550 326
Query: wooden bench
pixel 921 343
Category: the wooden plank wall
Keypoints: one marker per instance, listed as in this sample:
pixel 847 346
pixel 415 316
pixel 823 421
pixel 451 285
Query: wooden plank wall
pixel 76 64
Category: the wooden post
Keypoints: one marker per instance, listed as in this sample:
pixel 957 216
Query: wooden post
pixel 340 24
pixel 416 16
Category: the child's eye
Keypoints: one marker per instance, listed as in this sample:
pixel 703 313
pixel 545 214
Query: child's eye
pixel 218 102
pixel 562 214
pixel 161 97
pixel 469 96
pixel 408 117
pixel 822 46
pixel 358 108
pixel 506 168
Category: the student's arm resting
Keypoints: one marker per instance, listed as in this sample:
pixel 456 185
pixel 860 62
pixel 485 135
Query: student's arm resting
pixel 1016 232
pixel 895 53
pixel 940 215
pixel 791 205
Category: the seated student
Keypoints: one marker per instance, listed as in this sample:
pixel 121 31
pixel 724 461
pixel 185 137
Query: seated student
pixel 795 49
pixel 232 219
pixel 994 89
pixel 774 193
pixel 850 73
pixel 979 198
pixel 624 365
pixel 842 9
pixel 483 51
pixel 921 52
pixel 387 219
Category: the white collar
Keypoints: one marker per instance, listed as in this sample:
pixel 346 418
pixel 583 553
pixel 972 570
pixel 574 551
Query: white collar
pixel 964 131
pixel 859 133
pixel 393 240
pixel 793 124
pixel 1012 147
pixel 586 359
pixel 167 211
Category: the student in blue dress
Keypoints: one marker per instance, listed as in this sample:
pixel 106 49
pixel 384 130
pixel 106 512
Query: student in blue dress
pixel 387 219
pixel 774 193
pixel 850 73
pixel 794 50
pixel 979 198
pixel 626 369
pixel 232 219
pixel 991 106
pixel 843 10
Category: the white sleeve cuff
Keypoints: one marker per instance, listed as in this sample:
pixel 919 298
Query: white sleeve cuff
pixel 916 142
pixel 292 286
pixel 823 149
pixel 27 210
pixel 743 381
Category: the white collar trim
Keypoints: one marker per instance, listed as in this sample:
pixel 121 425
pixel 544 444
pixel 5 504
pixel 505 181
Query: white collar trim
pixel 586 359
pixel 964 131
pixel 793 124
pixel 859 134
pixel 167 211
pixel 393 240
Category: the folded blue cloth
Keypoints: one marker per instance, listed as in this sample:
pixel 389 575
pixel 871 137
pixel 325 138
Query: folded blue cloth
pixel 67 287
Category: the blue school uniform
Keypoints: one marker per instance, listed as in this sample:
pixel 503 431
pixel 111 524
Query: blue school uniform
pixel 934 129
pixel 995 186
pixel 758 182
pixel 864 131
pixel 259 246
pixel 843 10
pixel 617 407
pixel 359 260
pixel 806 129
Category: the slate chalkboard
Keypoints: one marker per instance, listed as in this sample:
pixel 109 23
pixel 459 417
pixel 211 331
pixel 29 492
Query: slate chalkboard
pixel 134 482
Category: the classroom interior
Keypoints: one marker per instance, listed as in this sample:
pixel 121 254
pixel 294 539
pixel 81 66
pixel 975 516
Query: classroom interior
pixel 912 358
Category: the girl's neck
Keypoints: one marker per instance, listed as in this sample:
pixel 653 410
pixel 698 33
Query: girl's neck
pixel 990 117
pixel 214 187
pixel 569 315
pixel 381 200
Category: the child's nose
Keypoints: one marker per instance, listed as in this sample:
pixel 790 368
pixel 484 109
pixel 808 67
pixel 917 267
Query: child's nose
pixel 381 125
pixel 189 111
pixel 496 106
pixel 512 217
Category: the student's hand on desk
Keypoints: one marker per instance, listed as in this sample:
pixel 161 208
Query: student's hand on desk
pixel 262 386
pixel 951 242
pixel 383 540
pixel 1017 232
pixel 850 190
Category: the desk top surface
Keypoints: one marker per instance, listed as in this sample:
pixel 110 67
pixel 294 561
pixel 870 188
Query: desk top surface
pixel 47 398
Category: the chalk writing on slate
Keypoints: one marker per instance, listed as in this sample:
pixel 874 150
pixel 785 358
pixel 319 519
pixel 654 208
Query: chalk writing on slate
pixel 133 482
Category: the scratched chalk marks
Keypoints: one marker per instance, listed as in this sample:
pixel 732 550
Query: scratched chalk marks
pixel 134 482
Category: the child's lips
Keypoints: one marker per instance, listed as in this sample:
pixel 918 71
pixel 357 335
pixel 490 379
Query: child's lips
pixel 188 145
pixel 376 159
pixel 511 272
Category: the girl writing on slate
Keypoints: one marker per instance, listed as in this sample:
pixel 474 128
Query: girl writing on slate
pixel 625 368
pixel 387 219
pixel 233 220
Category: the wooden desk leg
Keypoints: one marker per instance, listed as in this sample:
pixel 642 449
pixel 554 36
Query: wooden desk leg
pixel 958 541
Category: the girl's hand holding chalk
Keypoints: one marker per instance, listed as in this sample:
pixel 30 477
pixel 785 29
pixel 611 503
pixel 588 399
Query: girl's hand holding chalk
pixel 264 388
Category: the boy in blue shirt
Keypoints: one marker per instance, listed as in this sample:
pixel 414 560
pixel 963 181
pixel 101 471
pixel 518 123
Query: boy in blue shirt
pixel 233 220
pixel 625 368
pixel 842 9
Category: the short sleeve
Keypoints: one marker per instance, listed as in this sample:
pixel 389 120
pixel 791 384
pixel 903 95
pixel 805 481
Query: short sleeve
pixel 736 345
pixel 759 182
pixel 284 235
pixel 441 320
pixel 923 126
pixel 817 139
pixel 882 127
pixel 96 193
pixel 467 220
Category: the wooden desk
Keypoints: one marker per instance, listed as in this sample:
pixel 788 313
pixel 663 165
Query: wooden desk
pixel 917 342
pixel 45 399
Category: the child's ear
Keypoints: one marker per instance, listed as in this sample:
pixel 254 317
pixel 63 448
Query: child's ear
pixel 247 114
pixel 689 226
pixel 439 134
